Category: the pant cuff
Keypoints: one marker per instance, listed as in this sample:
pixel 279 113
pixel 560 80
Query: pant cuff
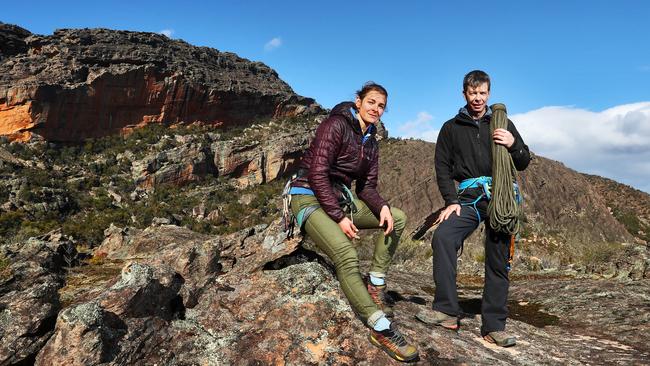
pixel 446 311
pixel 485 332
pixel 372 320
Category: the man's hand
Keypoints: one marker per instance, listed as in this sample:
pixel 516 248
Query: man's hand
pixel 503 137
pixel 348 228
pixel 386 217
pixel 444 215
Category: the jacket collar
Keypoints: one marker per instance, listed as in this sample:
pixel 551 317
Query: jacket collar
pixel 464 116
pixel 348 111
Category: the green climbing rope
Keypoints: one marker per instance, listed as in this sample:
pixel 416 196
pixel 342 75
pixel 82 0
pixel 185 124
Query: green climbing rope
pixel 503 209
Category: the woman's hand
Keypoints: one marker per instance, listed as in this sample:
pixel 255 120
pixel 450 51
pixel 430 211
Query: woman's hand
pixel 386 218
pixel 348 228
pixel 444 215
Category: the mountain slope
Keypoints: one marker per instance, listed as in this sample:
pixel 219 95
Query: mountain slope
pixel 630 206
pixel 564 214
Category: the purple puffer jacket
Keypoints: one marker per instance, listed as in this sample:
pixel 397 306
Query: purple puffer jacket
pixel 337 154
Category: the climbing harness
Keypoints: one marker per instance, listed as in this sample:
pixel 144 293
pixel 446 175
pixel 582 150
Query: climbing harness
pixel 486 184
pixel 289 220
pixel 480 182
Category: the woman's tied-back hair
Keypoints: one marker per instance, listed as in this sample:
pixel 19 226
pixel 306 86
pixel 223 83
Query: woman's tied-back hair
pixel 371 86
pixel 476 78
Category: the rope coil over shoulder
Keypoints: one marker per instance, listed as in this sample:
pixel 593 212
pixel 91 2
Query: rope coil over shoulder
pixel 504 208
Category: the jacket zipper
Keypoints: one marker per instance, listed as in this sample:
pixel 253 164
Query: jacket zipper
pixel 478 138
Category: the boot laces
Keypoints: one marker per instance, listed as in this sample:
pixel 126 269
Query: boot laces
pixel 397 338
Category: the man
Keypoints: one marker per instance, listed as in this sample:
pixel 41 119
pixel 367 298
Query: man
pixel 463 151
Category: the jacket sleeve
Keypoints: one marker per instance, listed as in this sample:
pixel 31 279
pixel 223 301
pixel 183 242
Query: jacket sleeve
pixel 519 150
pixel 324 149
pixel 366 188
pixel 445 166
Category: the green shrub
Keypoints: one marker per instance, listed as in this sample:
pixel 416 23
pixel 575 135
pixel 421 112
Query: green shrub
pixel 598 253
pixel 409 249
pixel 36 227
pixel 10 223
pixel 89 228
pixel 632 223
pixel 4 193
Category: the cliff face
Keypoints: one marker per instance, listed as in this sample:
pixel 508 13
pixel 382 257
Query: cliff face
pixel 83 83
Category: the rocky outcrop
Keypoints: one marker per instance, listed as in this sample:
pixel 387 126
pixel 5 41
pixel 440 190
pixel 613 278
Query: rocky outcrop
pixel 178 166
pixel 81 83
pixel 262 153
pixel 12 40
pixel 128 318
pixel 177 283
pixel 259 154
pixel 254 298
pixel 29 302
pixel 625 261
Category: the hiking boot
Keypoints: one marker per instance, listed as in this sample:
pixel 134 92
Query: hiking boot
pixel 392 342
pixel 500 338
pixel 379 297
pixel 439 318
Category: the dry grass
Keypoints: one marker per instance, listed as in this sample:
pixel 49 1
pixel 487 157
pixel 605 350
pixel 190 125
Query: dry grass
pixel 5 269
pixel 83 281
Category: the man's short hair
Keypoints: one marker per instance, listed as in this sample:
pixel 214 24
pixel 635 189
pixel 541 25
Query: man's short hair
pixel 476 78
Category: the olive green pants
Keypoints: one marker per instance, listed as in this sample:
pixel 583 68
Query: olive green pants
pixel 329 237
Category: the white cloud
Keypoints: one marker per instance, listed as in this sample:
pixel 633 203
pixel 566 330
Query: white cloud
pixel 167 32
pixel 420 128
pixel 614 143
pixel 273 44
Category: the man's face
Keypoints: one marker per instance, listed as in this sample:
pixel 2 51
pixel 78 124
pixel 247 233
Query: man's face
pixel 477 97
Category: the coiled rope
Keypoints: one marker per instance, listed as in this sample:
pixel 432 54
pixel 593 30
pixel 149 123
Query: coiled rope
pixel 503 209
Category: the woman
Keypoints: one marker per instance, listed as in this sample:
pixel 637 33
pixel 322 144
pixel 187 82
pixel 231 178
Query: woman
pixel 344 149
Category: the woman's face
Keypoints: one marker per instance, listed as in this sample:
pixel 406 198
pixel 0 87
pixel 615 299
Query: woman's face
pixel 371 107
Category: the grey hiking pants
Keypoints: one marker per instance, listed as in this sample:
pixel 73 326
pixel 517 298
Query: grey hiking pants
pixel 447 240
pixel 329 237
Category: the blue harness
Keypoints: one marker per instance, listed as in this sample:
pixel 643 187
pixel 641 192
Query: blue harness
pixel 485 183
pixel 304 213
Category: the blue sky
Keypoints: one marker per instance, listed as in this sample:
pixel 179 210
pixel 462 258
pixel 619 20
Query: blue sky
pixel 576 73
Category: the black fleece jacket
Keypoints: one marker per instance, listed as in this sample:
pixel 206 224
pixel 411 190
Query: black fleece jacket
pixel 464 150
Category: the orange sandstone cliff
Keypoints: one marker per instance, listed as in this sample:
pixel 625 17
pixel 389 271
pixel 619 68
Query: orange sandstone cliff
pixel 84 83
